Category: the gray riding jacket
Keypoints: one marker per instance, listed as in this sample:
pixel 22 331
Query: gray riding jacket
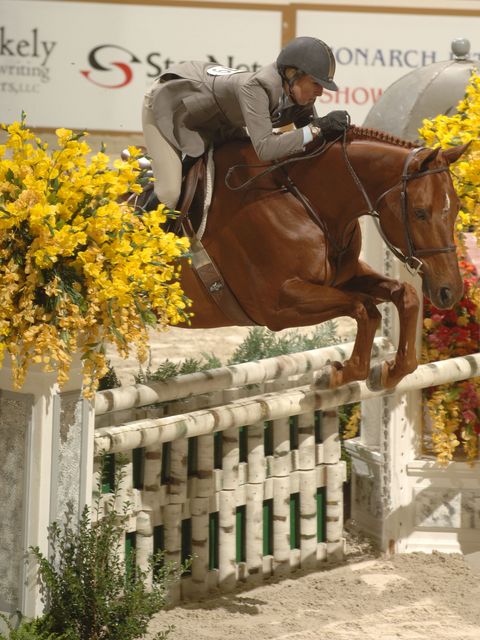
pixel 193 109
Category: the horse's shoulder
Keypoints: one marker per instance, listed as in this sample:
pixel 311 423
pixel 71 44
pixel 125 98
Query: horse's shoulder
pixel 235 152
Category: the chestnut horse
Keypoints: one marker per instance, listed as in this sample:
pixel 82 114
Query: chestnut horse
pixel 286 238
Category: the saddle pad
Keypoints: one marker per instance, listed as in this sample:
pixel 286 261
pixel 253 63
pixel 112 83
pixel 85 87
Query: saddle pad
pixel 209 180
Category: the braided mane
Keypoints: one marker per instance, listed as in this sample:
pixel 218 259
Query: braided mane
pixel 356 133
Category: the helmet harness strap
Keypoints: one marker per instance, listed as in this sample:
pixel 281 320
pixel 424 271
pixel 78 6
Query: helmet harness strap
pixel 291 81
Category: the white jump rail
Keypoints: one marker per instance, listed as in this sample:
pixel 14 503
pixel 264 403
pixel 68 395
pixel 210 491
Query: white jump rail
pixel 273 406
pixel 239 375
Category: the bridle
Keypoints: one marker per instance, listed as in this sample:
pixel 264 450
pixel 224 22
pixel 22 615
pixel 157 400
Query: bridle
pixel 411 258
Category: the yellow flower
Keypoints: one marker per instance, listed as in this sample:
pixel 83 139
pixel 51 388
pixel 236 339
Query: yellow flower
pixel 79 268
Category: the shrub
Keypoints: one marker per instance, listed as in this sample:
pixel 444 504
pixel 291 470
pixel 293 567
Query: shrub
pixel 168 369
pixel 263 343
pixel 90 592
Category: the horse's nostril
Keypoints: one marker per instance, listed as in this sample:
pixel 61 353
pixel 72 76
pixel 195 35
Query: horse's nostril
pixel 446 296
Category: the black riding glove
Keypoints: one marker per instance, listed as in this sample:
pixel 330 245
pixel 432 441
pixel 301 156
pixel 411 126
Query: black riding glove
pixel 333 124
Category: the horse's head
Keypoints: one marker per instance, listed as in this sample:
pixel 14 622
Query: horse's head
pixel 423 207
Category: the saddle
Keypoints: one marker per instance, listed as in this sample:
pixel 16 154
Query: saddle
pixel 192 205
pixel 192 195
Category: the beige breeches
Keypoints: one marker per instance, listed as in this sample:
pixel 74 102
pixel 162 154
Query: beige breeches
pixel 166 161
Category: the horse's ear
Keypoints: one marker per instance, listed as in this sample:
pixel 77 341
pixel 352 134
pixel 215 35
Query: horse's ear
pixel 422 159
pixel 454 153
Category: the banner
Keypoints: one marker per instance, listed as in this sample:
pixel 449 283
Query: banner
pixel 373 49
pixel 87 65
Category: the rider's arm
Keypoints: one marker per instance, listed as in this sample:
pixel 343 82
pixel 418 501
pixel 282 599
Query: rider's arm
pixel 254 103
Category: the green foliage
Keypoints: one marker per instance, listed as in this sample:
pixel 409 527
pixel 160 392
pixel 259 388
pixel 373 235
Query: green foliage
pixel 88 591
pixel 110 379
pixel 26 630
pixel 263 343
pixel 260 343
pixel 169 369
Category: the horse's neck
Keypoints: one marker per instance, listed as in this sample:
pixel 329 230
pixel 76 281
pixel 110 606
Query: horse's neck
pixel 377 164
pixel 340 184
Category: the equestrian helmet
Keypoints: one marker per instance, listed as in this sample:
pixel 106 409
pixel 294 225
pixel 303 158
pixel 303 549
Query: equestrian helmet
pixel 311 56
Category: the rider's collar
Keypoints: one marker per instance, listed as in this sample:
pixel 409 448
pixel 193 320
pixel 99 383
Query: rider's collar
pixel 285 101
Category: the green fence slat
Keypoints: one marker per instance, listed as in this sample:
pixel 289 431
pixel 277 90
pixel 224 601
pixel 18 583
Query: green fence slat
pixel 186 551
pixel 268 527
pixel 293 422
pixel 108 473
pixel 192 459
pixel 241 534
pixel 318 427
pixel 130 546
pixel 295 521
pixel 213 540
pixel 242 444
pixel 321 514
pixel 138 467
pixel 166 461
pixel 158 546
pixel 217 450
pixel 268 438
pixel 158 538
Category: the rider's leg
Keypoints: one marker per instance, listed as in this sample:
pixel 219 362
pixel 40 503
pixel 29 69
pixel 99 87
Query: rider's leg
pixel 166 161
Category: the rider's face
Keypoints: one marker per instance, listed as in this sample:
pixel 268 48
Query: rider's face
pixel 305 90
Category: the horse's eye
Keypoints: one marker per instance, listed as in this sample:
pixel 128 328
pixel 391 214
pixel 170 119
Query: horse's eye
pixel 421 214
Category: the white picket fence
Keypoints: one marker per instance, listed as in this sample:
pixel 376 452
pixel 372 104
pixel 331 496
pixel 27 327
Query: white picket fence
pixel 235 467
pixel 240 466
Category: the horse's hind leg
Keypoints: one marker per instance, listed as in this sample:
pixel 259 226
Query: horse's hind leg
pixel 304 303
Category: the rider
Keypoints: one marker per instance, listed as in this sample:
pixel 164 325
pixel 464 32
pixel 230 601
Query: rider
pixel 194 104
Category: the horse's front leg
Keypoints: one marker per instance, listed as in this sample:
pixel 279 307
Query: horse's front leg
pixel 303 303
pixel 406 301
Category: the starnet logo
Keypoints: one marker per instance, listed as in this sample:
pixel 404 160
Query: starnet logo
pixel 111 66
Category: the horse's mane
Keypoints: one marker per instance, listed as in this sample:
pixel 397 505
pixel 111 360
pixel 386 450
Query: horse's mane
pixel 362 133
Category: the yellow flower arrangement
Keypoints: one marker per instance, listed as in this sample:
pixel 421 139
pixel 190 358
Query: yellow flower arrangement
pixel 459 128
pixel 454 409
pixel 79 266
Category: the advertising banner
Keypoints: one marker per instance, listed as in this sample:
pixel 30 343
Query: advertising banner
pixel 86 65
pixel 373 49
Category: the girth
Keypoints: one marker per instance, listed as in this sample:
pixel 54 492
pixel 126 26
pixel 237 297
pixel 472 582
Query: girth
pixel 202 263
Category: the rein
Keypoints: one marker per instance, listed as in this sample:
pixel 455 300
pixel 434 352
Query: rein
pixel 411 258
pixel 291 186
pixel 271 167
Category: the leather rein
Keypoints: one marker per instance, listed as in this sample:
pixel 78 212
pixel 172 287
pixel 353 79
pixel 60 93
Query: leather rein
pixel 411 258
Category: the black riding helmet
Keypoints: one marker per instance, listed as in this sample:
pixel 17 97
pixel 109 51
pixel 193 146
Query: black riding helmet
pixel 311 56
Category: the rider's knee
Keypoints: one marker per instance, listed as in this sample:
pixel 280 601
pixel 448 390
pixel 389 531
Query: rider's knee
pixel 167 195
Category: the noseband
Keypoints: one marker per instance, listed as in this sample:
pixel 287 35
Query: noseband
pixel 411 259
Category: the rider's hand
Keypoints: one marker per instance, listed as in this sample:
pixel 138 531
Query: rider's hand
pixel 333 124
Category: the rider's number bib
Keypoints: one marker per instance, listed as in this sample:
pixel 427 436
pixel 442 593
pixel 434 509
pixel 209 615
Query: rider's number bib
pixel 221 71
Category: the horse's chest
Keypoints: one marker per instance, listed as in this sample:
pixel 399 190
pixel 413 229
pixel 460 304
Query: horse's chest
pixel 343 260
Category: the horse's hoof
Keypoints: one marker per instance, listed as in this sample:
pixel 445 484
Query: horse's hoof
pixel 377 377
pixel 324 379
pixel 331 376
